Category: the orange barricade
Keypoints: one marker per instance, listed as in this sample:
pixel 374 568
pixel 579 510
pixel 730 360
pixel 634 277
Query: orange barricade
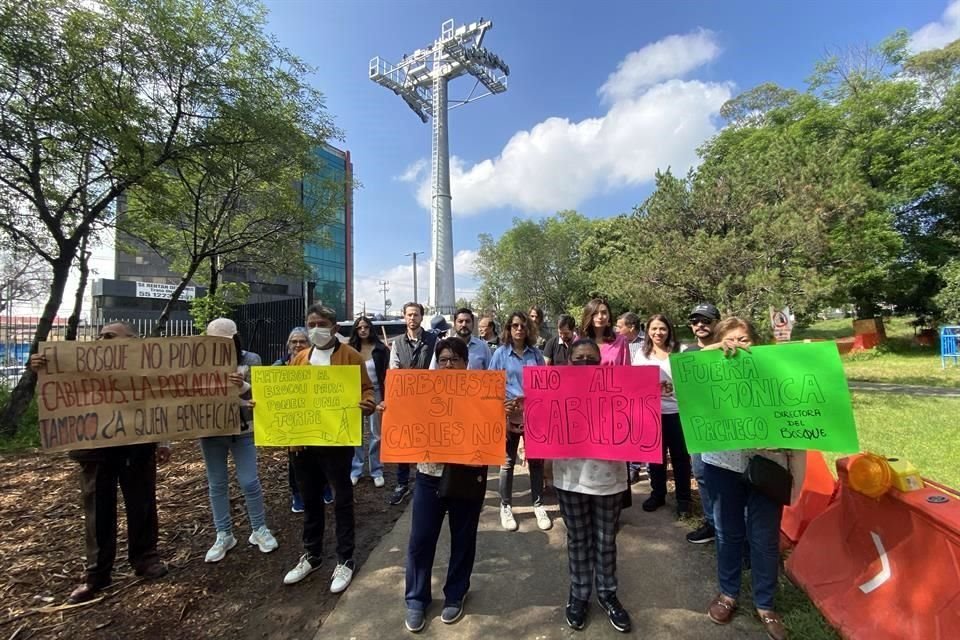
pixel 886 568
pixel 819 487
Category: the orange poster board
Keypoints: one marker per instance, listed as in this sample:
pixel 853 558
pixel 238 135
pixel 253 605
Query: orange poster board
pixel 444 416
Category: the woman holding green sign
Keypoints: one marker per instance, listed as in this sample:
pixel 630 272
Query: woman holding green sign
pixel 740 484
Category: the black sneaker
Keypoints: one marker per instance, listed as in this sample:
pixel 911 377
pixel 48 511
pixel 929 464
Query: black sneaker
pixel 618 616
pixel 398 495
pixel 705 533
pixel 576 613
pixel 653 503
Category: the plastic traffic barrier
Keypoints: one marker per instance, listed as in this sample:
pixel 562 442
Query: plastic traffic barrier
pixel 819 487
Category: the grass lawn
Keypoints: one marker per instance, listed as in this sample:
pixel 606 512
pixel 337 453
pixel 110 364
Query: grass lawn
pixel 897 361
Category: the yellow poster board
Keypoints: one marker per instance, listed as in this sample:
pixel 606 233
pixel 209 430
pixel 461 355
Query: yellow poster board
pixel 306 406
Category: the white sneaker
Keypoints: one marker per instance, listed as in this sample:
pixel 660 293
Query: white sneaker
pixel 543 520
pixel 225 541
pixel 301 571
pixel 342 576
pixel 507 520
pixel 263 539
pixel 378 482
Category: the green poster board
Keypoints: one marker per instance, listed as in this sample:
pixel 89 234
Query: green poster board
pixel 791 396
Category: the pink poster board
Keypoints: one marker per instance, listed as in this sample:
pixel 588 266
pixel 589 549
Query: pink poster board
pixel 601 412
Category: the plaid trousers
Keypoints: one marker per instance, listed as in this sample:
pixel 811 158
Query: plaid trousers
pixel 591 523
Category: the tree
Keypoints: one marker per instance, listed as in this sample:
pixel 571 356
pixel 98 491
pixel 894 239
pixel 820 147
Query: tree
pixel 99 97
pixel 220 304
pixel 24 277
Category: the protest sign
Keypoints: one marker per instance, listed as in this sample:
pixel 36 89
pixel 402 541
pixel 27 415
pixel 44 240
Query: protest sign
pixel 115 392
pixel 306 406
pixel 601 412
pixel 791 396
pixel 444 416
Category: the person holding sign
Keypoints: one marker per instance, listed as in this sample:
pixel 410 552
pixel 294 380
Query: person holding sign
pixel 134 468
pixel 732 495
pixel 375 354
pixel 216 450
pixel 660 342
pixel 435 495
pixel 318 466
pixel 516 352
pixel 590 493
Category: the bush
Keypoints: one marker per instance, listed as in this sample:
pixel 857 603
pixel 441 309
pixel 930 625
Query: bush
pixel 28 434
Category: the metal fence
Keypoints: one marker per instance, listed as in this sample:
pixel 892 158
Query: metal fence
pixel 265 326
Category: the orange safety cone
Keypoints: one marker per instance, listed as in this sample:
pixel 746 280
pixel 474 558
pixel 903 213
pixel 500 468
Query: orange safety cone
pixel 819 487
pixel 884 568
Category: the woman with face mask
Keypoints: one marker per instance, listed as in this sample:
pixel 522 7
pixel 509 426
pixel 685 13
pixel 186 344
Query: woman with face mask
pixel 215 451
pixel 590 496
pixel 659 343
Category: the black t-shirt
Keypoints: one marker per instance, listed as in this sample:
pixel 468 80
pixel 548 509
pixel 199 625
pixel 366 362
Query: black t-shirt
pixel 557 351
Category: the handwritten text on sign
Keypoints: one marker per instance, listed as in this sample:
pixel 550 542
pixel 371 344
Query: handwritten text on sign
pixel 444 416
pixel 791 396
pixel 306 406
pixel 601 412
pixel 116 392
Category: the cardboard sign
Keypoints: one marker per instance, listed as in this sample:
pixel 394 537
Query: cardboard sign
pixel 444 416
pixel 306 406
pixel 601 412
pixel 115 392
pixel 791 396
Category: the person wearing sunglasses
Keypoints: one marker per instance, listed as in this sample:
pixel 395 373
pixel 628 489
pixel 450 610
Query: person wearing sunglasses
pixel 518 350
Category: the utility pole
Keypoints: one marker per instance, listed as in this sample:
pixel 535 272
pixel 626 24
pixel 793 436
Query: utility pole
pixel 421 80
pixel 414 254
pixel 384 288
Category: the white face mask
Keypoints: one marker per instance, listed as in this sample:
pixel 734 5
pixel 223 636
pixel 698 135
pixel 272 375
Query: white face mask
pixel 320 336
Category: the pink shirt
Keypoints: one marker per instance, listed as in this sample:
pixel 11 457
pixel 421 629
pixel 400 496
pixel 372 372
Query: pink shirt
pixel 616 352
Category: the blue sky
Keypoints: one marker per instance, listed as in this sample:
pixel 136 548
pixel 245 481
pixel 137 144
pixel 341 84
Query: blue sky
pixel 555 139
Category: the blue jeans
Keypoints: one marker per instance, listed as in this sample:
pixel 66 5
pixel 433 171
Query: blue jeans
pixel 731 495
pixel 705 501
pixel 215 450
pixel 428 511
pixel 372 422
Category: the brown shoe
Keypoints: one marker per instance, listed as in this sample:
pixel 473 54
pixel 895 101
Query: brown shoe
pixel 152 571
pixel 773 623
pixel 722 609
pixel 84 593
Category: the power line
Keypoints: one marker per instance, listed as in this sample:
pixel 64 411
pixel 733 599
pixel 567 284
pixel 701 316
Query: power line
pixel 384 288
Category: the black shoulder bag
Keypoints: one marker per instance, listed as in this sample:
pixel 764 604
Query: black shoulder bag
pixel 463 482
pixel 770 479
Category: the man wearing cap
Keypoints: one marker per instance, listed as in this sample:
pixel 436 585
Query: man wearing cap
pixel 412 350
pixel 134 468
pixel 703 320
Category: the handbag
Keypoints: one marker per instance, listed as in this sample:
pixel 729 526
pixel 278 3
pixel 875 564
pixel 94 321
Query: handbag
pixel 463 482
pixel 770 479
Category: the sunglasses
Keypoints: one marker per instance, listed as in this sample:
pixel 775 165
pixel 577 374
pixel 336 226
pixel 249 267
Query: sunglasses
pixel 518 326
pixel 699 320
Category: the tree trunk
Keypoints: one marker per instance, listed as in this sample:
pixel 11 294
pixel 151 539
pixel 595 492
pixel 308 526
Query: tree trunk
pixel 167 308
pixel 214 277
pixel 74 321
pixel 23 392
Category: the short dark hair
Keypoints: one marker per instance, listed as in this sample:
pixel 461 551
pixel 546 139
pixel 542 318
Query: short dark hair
pixel 630 319
pixel 507 339
pixel 585 342
pixel 320 309
pixel 467 311
pixel 458 346
pixel 413 304
pixel 566 320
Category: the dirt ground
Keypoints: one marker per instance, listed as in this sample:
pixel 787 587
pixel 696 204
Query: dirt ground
pixel 41 558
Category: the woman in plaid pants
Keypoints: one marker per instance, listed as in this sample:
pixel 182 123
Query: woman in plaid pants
pixel 590 497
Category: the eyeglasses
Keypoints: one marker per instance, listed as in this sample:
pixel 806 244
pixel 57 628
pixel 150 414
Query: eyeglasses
pixel 453 360
pixel 518 326
pixel 699 320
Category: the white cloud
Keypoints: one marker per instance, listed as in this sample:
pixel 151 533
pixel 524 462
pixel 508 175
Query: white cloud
pixel 934 35
pixel 672 57
pixel 653 123
pixel 413 172
pixel 366 288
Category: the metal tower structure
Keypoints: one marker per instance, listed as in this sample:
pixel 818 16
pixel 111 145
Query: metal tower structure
pixel 421 79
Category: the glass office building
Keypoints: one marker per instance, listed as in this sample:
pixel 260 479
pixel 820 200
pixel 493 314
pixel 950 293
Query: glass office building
pixel 331 259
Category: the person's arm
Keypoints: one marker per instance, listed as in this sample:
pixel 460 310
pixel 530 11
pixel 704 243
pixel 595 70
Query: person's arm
pixel 394 357
pixel 433 360
pixel 367 400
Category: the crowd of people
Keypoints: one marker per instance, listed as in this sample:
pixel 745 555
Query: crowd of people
pixel 591 494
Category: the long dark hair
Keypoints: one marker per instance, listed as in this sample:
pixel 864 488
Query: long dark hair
pixel 672 344
pixel 458 346
pixel 586 321
pixel 506 338
pixel 355 340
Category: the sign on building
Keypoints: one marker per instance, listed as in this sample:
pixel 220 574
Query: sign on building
pixel 163 290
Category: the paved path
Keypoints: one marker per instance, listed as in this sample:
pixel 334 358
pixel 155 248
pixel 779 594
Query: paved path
pixel 520 585
pixel 906 389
